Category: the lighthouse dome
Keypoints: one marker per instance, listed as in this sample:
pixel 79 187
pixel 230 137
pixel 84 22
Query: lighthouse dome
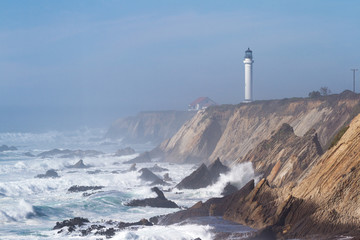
pixel 248 53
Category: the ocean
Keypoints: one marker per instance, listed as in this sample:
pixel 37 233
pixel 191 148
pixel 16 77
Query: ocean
pixel 30 207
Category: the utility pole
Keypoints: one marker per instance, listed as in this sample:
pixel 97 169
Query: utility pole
pixel 354 70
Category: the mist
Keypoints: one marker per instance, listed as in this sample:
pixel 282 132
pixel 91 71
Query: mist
pixel 85 63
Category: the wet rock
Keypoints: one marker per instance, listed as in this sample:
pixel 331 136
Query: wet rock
pixel 94 172
pixel 159 182
pixel 157 168
pixel 132 168
pixel 77 188
pixel 203 176
pixel 159 201
pixel 49 174
pixel 124 152
pixel 71 223
pixel 29 154
pixel 79 164
pixel 66 153
pixel 143 158
pixel 4 148
pixel 147 175
pixel 167 178
pixel 217 168
pixel 200 178
pixel 229 189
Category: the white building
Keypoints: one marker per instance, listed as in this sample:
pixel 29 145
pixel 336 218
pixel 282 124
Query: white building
pixel 248 61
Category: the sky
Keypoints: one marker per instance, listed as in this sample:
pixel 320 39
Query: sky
pixel 72 63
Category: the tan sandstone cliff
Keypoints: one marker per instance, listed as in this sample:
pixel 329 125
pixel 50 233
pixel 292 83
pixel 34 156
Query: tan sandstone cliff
pixel 231 131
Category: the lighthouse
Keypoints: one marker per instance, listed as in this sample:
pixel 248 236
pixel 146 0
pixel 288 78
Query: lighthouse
pixel 248 61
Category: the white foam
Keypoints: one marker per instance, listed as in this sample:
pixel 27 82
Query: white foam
pixel 174 232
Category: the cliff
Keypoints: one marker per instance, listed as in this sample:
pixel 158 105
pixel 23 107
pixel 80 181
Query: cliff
pixel 153 126
pixel 318 201
pixel 231 131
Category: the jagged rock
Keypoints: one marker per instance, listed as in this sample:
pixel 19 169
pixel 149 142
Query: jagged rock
pixel 124 152
pixel 159 182
pixel 217 168
pixel 147 175
pixel 142 158
pixel 203 176
pixel 4 148
pixel 159 201
pixel 132 168
pixel 157 168
pixel 79 164
pixel 49 174
pixel 167 178
pixel 229 189
pixel 71 223
pixel 284 156
pixel 77 188
pixel 29 154
pixel 212 207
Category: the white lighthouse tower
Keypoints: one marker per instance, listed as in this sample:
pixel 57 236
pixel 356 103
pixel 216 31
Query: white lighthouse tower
pixel 248 61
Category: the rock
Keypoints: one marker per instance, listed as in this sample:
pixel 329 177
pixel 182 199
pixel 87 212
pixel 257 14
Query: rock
pixel 203 176
pixel 79 164
pixel 4 148
pixel 217 168
pixel 200 178
pixel 124 152
pixel 94 172
pixel 212 207
pixel 159 201
pixel 159 182
pixel 157 168
pixel 229 189
pixel 77 188
pixel 167 177
pixel 132 168
pixel 147 175
pixel 49 174
pixel 66 153
pixel 29 154
pixel 143 158
pixel 71 223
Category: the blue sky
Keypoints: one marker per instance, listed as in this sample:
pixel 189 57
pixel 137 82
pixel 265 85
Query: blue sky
pixel 89 62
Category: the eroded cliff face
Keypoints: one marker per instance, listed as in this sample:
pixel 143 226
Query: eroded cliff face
pixel 149 126
pixel 323 201
pixel 231 131
pixel 283 157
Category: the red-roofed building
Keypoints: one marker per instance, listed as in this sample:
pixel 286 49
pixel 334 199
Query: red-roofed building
pixel 201 103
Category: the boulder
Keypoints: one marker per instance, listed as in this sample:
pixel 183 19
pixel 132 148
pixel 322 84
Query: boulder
pixel 217 168
pixel 79 164
pixel 167 178
pixel 200 178
pixel 49 174
pixel 71 223
pixel 159 201
pixel 132 168
pixel 4 148
pixel 229 189
pixel 203 176
pixel 124 152
pixel 147 175
pixel 142 158
pixel 77 188
pixel 157 168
